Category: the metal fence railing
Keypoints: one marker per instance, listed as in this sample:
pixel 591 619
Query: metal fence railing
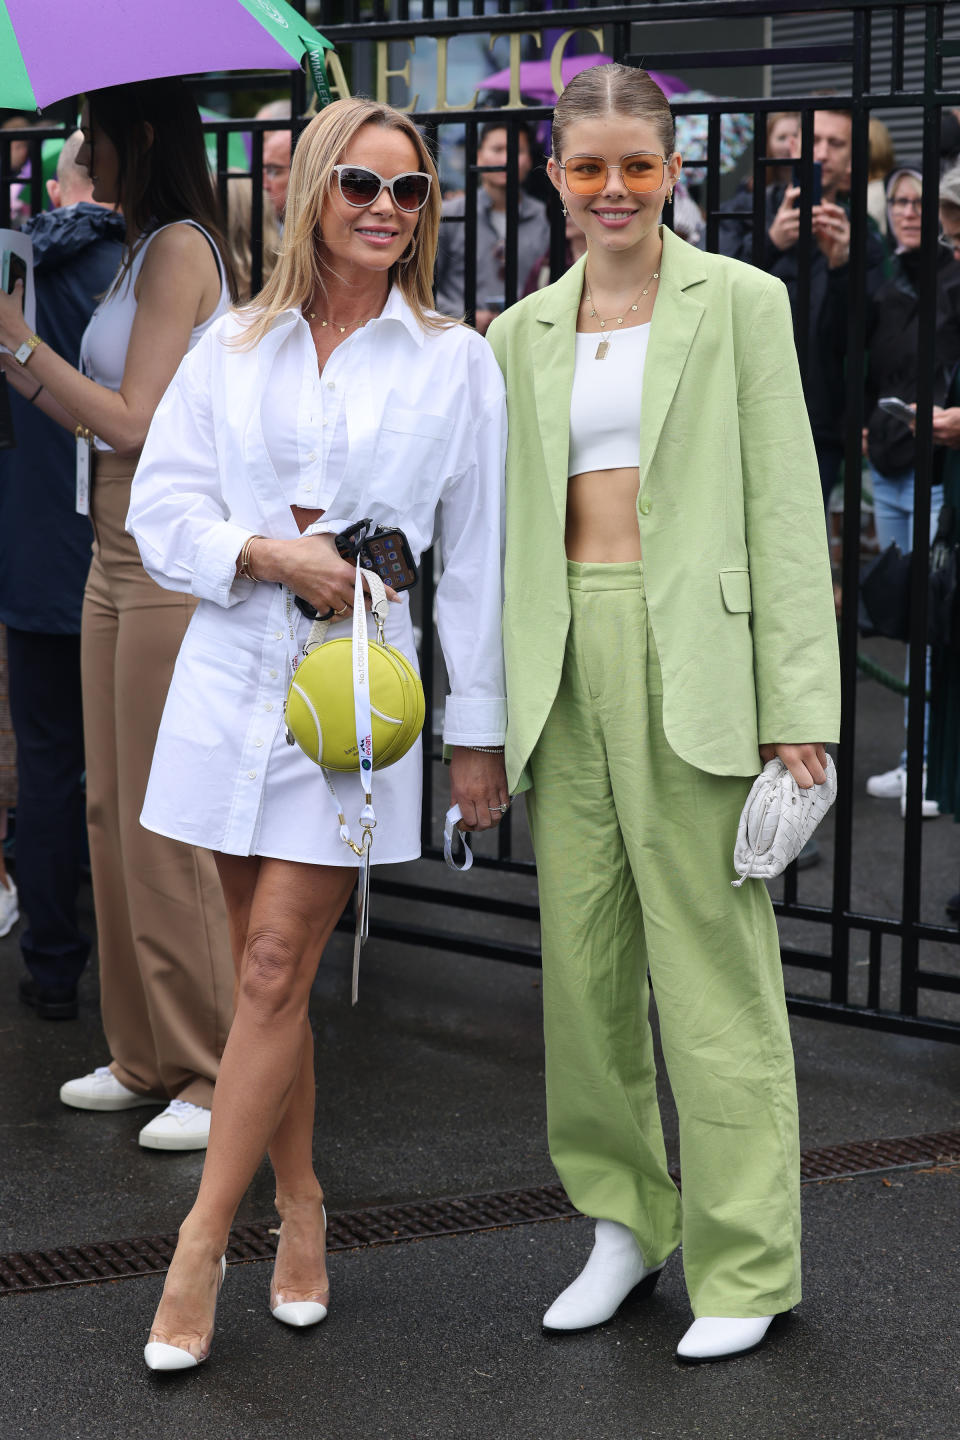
pixel 820 938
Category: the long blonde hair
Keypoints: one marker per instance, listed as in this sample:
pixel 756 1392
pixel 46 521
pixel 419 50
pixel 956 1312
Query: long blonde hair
pixel 300 269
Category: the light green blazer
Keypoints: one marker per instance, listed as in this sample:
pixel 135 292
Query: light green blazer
pixel 735 557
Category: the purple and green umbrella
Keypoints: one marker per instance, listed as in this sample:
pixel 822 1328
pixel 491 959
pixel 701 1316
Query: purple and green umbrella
pixel 51 49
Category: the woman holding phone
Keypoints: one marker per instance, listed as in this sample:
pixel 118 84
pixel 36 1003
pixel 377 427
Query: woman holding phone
pixel 893 321
pixel 164 954
pixel 671 629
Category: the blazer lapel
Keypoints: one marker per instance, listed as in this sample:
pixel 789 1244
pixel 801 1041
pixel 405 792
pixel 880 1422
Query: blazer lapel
pixel 553 357
pixel 676 319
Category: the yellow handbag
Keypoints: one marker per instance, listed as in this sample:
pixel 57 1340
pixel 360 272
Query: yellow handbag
pixel 320 707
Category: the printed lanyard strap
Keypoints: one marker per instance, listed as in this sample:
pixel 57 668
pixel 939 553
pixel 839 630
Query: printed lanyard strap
pixel 364 733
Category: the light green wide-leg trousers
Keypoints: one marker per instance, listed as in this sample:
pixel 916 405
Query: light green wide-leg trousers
pixel 634 855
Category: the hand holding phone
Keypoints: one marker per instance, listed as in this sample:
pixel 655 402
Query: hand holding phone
pixel 816 183
pixel 14 269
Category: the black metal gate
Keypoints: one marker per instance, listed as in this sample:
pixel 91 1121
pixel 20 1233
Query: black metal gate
pixel 893 971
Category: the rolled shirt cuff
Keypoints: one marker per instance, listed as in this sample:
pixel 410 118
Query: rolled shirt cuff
pixel 215 575
pixel 475 722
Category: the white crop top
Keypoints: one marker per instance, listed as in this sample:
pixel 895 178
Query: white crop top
pixel 103 349
pixel 605 403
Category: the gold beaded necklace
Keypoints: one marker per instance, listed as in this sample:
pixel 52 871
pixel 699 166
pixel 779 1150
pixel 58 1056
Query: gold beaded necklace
pixel 604 345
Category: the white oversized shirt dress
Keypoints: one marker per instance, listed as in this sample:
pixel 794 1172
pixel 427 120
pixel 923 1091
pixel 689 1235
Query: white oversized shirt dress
pixel 405 425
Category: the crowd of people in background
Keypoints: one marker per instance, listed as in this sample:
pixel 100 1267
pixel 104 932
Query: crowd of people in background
pixel 79 241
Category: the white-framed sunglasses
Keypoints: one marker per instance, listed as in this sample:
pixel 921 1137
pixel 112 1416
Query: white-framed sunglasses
pixel 360 187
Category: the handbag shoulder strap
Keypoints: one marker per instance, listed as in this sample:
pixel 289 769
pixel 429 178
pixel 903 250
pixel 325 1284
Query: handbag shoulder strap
pixel 379 605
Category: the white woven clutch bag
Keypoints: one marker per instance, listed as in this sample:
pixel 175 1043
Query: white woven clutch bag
pixel 778 820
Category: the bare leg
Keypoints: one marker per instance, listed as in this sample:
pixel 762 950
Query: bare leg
pixel 300 1272
pixel 264 1095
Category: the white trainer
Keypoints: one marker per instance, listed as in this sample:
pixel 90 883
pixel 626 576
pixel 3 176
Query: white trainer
pixel 714 1337
pixel 101 1090
pixel 181 1126
pixel 9 907
pixel 615 1267
pixel 929 809
pixel 889 785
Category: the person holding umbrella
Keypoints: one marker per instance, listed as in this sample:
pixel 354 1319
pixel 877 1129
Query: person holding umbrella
pixel 166 978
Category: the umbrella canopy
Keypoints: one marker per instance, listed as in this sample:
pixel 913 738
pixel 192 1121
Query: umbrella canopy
pixel 54 49
pixel 536 83
pixel 736 134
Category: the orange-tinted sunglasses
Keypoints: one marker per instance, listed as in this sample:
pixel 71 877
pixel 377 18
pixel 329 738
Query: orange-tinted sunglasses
pixel 640 173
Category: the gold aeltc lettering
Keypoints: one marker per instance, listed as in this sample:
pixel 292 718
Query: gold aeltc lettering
pixel 336 76
pixel 442 81
pixel 557 54
pixel 514 101
pixel 384 74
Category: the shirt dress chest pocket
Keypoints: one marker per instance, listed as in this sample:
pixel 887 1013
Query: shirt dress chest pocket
pixel 411 446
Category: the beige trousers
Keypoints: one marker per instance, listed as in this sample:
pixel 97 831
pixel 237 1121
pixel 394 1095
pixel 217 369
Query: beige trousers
pixel 166 974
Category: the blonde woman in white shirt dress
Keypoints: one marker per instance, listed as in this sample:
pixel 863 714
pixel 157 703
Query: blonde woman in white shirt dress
pixel 339 394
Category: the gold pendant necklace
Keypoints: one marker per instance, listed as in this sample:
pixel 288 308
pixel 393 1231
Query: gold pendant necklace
pixel 604 345
pixel 326 324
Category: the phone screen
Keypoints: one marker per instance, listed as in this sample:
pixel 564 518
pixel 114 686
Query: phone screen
pixel 15 268
pixel 816 192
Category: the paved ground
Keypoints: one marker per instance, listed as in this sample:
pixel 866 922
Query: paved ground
pixel 433 1086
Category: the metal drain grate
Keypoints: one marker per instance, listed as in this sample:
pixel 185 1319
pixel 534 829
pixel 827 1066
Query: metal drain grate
pixel 392 1224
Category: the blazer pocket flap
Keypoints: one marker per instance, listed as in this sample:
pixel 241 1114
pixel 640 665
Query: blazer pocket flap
pixel 416 422
pixel 735 585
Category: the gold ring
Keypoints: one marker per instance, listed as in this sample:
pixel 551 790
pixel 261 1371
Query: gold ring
pixel 343 608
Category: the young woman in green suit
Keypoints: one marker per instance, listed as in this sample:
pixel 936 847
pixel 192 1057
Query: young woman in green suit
pixel 668 625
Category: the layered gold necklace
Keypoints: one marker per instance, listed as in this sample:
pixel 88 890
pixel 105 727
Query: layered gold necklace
pixel 604 345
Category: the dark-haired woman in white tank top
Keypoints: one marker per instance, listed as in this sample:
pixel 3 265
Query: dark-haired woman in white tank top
pixel 166 974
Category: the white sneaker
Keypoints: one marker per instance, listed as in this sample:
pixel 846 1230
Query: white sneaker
pixel 889 785
pixel 929 809
pixel 9 907
pixel 181 1126
pixel 101 1090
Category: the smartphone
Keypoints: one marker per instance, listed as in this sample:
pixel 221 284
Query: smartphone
pixel 899 408
pixel 14 269
pixel 816 193
pixel 385 551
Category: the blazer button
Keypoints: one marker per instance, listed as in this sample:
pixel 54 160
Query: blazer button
pixel 644 504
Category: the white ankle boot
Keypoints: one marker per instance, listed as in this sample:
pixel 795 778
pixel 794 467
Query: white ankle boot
pixel 713 1337
pixel 615 1268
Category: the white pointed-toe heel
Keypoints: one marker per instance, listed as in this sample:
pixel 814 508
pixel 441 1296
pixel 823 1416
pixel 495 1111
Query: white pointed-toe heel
pixel 614 1271
pixel 715 1337
pixel 160 1356
pixel 300 1313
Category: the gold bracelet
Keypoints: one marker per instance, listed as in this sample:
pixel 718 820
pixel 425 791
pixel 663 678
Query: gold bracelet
pixel 244 572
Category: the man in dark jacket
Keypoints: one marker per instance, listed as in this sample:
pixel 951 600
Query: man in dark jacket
pixel 824 384
pixel 44 558
pixel 533 231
